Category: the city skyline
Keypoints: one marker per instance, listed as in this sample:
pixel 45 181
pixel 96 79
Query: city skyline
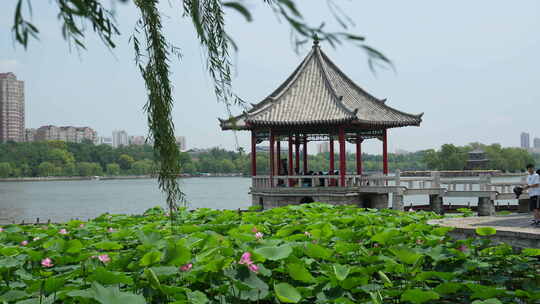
pixel 462 83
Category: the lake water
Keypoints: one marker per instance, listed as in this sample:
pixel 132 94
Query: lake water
pixel 63 200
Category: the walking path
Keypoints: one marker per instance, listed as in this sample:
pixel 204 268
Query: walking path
pixel 513 229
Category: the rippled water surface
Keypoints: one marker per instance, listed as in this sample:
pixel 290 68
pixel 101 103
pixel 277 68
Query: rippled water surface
pixel 63 200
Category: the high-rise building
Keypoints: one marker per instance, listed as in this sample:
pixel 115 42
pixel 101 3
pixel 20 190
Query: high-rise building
pixel 105 141
pixel 120 138
pixel 536 142
pixel 30 135
pixel 181 142
pixel 137 140
pixel 11 108
pixel 525 140
pixel 323 147
pixel 66 133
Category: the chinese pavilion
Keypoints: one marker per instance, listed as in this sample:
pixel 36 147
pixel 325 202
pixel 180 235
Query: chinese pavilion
pixel 317 102
pixel 477 160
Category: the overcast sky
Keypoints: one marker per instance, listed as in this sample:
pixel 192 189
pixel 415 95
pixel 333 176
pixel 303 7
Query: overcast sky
pixel 471 66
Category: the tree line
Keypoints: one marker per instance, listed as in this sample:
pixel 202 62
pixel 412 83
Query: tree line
pixel 58 158
pixel 506 159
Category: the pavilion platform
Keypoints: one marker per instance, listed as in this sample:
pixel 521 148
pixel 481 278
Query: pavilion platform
pixel 513 229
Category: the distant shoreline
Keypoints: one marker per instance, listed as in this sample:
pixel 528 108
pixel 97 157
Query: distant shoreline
pixel 119 177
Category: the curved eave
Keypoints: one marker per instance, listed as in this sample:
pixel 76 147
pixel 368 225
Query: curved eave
pixel 233 123
pixel 240 123
pixel 391 124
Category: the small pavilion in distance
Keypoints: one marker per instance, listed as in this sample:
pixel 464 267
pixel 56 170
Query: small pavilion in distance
pixel 317 102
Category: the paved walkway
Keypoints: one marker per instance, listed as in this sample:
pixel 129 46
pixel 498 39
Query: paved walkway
pixel 514 229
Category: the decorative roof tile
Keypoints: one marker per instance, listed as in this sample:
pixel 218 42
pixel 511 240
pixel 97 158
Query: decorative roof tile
pixel 318 92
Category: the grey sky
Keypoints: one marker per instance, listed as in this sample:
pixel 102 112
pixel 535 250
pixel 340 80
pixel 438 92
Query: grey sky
pixel 471 66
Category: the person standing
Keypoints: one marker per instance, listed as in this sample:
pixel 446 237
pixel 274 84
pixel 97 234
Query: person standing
pixel 533 187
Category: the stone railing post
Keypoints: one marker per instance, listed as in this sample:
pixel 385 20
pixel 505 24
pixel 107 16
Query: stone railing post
pixel 436 200
pixel 397 178
pixel 435 179
pixel 397 195
pixel 486 207
pixel 483 181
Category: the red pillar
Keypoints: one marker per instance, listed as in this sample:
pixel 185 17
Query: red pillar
pixel 290 171
pixel 331 181
pixel 272 167
pixel 385 153
pixel 342 157
pixel 297 154
pixel 278 151
pixel 253 154
pixel 331 154
pixel 359 156
pixel 305 155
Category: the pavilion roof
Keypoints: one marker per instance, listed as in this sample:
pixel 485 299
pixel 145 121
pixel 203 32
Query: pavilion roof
pixel 319 93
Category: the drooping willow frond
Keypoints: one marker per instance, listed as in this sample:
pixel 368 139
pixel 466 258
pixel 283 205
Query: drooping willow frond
pixel 155 72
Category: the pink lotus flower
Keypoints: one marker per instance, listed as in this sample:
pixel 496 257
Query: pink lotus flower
pixel 253 267
pixel 47 262
pixel 186 267
pixel 63 231
pixel 411 209
pixel 419 242
pixel 254 230
pixel 37 238
pixel 81 225
pixel 307 234
pixel 111 229
pixel 245 259
pixel 463 248
pixel 167 214
pixel 104 258
pixel 94 257
pixel 24 243
pixel 1 229
pixel 259 235
pixel 376 245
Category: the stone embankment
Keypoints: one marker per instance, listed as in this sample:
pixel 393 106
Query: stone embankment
pixel 514 229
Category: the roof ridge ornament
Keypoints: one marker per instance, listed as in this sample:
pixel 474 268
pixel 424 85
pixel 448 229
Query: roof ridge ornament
pixel 316 41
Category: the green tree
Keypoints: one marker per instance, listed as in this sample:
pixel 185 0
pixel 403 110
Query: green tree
pixel 60 157
pixel 69 169
pixel 125 161
pixel 227 166
pixel 46 169
pixel 113 169
pixel 142 167
pixel 5 169
pixel 26 170
pixel 189 168
pixel 89 169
